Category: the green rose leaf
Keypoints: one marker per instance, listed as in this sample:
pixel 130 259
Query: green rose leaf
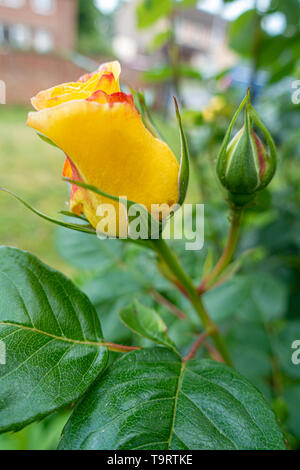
pixel 285 350
pixel 150 11
pixel 86 227
pixel 160 40
pixel 52 337
pixel 147 323
pixel 150 399
pixel 148 224
pixel 109 292
pixel 88 254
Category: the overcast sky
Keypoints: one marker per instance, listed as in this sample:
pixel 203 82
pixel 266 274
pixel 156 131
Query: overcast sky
pixel 274 24
pixel 231 11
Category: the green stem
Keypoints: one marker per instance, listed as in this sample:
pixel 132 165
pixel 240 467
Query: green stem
pixel 210 327
pixel 208 282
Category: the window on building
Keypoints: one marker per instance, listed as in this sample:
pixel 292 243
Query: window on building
pixel 19 35
pixel 43 7
pixel 43 41
pixel 3 34
pixel 12 3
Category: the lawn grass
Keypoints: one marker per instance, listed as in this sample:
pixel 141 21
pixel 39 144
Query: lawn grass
pixel 33 170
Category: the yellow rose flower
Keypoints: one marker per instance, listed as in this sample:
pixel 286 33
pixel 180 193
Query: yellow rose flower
pixel 106 143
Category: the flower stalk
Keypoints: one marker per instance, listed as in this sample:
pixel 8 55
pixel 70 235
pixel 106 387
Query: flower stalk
pixel 196 345
pixel 211 329
pixel 228 253
pixel 244 166
pixel 120 347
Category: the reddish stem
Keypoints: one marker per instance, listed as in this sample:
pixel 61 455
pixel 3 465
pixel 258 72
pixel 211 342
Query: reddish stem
pixel 227 255
pixel 171 307
pixel 200 340
pixel 121 347
pixel 181 288
pixel 214 353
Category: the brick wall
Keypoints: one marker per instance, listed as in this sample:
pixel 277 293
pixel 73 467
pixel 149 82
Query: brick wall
pixel 26 73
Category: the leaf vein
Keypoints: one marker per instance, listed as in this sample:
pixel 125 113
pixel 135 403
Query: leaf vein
pixel 20 296
pixel 175 403
pixel 209 419
pixel 236 399
pixel 26 360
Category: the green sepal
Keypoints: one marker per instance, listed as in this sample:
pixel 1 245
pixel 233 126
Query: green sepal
pixel 54 343
pixel 145 322
pixel 75 216
pixel 147 219
pixel 222 157
pixel 78 227
pixel 184 172
pixel 242 173
pixel 270 172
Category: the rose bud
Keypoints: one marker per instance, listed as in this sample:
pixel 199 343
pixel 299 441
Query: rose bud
pixel 106 143
pixel 245 165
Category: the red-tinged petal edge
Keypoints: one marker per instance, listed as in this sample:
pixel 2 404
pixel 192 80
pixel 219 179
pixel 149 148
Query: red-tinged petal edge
pixel 70 171
pixel 106 77
pixel 121 97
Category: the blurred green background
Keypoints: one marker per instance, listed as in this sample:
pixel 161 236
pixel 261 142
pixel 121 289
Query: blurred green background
pixel 207 57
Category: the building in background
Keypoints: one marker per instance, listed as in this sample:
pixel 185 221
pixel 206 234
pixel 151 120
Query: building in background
pixel 201 36
pixel 39 25
pixel 36 38
pixel 38 41
pixel 203 39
